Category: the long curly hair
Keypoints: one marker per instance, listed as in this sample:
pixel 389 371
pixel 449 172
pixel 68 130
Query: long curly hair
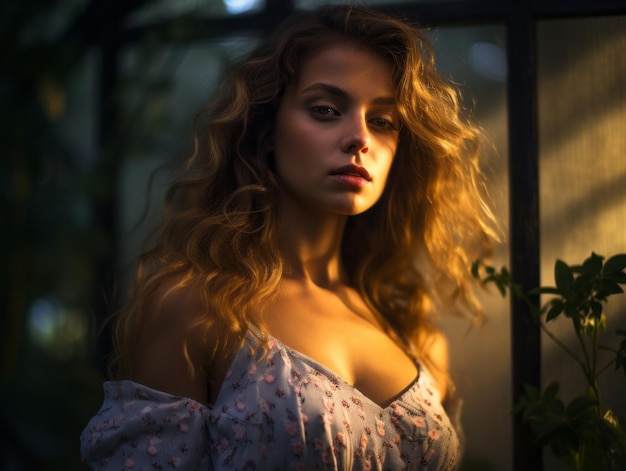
pixel 408 253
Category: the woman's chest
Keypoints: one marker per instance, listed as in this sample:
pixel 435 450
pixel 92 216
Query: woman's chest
pixel 341 333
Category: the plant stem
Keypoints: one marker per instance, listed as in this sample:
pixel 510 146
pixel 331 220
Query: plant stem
pixel 523 297
pixel 594 364
pixel 563 347
pixel 608 365
pixel 587 368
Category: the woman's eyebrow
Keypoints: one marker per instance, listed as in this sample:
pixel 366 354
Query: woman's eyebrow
pixel 342 94
pixel 324 87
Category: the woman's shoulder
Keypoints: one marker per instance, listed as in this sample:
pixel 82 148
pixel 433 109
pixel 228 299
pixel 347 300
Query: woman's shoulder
pixel 171 353
pixel 176 304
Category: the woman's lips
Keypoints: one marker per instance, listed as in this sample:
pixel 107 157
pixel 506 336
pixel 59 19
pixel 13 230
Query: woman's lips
pixel 352 175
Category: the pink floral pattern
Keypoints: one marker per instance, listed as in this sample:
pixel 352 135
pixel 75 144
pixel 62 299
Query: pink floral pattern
pixel 138 428
pixel 297 414
pixel 278 411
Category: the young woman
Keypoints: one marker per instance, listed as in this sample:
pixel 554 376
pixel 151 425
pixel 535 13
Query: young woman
pixel 284 318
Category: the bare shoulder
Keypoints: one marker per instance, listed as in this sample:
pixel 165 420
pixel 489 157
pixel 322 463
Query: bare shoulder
pixel 171 352
pixel 438 360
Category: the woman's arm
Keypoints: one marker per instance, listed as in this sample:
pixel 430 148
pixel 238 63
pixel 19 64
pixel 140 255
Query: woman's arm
pixel 171 352
pixel 157 417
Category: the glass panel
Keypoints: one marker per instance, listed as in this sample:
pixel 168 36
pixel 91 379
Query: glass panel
pixel 582 111
pixel 162 88
pixel 159 10
pixel 475 58
pixel 311 4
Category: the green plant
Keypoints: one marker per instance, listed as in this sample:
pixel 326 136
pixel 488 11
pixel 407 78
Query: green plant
pixel 583 433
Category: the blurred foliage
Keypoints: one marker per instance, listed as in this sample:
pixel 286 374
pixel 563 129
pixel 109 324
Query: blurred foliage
pixel 58 203
pixel 584 433
pixel 52 245
pixel 58 200
pixel 58 224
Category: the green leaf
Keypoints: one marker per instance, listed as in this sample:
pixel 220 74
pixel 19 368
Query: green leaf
pixel 583 286
pixel 601 325
pixel 552 390
pixel 616 277
pixel 555 310
pixel 593 265
pixel 517 291
pixel 564 277
pixel 527 400
pixel 549 426
pixel 544 290
pixel 615 264
pixel 596 309
pixel 571 311
pixel 581 406
pixel 576 268
pixel 501 287
pixel 610 287
pixel 564 443
pixel 475 266
pixel 614 433
pixel 532 392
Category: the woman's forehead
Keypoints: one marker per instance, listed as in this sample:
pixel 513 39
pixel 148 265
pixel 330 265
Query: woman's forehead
pixel 345 63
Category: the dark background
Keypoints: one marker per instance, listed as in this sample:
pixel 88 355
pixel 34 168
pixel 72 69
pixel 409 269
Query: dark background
pixel 70 123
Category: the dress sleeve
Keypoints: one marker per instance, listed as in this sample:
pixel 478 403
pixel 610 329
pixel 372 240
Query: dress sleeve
pixel 140 428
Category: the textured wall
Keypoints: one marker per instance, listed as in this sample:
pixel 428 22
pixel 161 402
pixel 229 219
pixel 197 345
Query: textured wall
pixel 582 128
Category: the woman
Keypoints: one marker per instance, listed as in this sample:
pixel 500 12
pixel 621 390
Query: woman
pixel 282 320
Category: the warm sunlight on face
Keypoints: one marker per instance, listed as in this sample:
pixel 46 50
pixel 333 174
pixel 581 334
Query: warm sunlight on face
pixel 337 132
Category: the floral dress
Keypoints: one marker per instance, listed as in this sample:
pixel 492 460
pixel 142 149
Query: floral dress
pixel 275 411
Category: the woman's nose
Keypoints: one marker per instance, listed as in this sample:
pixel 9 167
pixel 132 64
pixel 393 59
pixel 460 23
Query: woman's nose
pixel 357 135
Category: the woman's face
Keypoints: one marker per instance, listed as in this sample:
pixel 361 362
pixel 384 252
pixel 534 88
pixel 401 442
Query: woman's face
pixel 336 132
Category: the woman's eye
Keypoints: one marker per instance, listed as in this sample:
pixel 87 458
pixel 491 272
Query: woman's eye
pixel 324 111
pixel 383 123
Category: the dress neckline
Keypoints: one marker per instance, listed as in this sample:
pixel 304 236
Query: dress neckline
pixel 328 373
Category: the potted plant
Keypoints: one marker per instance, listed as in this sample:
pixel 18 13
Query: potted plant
pixel 583 433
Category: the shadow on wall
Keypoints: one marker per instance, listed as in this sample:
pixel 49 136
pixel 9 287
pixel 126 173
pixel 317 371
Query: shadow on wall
pixel 582 111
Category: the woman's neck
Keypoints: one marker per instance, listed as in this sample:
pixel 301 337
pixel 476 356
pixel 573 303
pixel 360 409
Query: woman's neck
pixel 311 247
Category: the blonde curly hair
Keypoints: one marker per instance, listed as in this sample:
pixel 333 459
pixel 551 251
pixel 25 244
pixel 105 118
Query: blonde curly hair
pixel 219 231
